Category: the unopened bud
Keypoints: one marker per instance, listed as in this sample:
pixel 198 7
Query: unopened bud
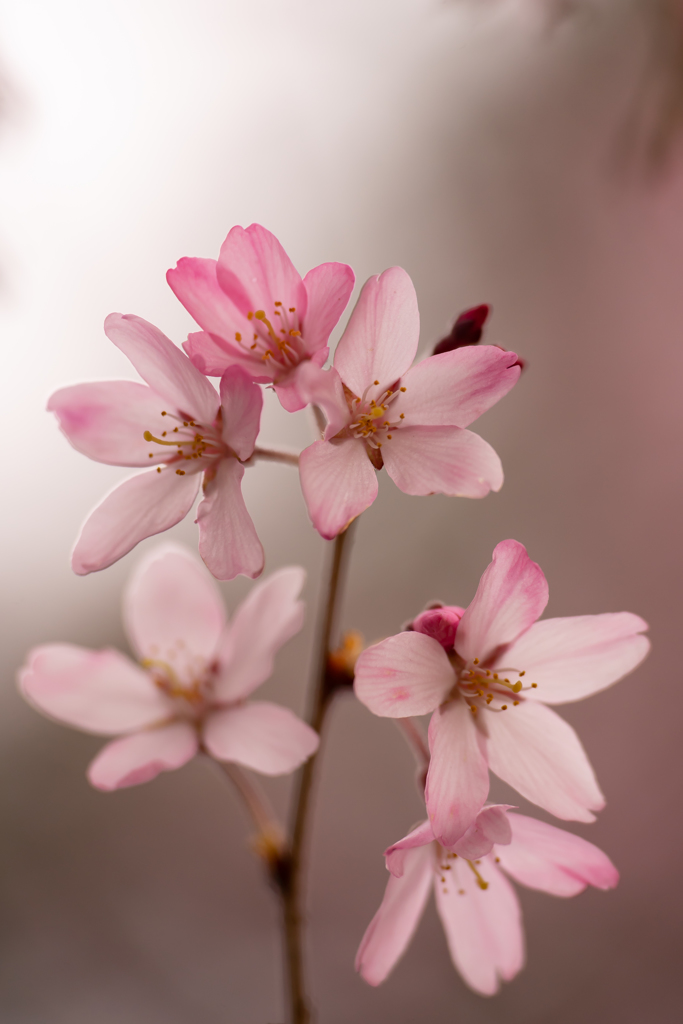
pixel 467 330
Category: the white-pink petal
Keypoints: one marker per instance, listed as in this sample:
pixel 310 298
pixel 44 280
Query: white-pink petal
pixel 544 857
pixel 511 595
pixel 195 283
pixel 173 613
pixel 328 288
pixel 455 388
pixel 241 404
pixel 228 541
pixel 166 368
pixel 255 272
pixel 259 735
pixel 135 759
pixel 380 340
pixel 407 674
pixel 107 420
pixel 442 460
pixel 458 778
pixel 269 617
pixel 483 927
pixel 395 855
pixel 572 658
pixel 140 507
pixel 539 754
pixel 394 924
pixel 490 827
pixel 98 691
pixel 338 483
pixel 324 389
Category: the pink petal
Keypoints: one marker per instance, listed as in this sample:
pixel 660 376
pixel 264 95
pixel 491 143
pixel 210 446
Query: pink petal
pixel 195 283
pixel 173 612
pixel 483 927
pixel 145 504
pixel 574 657
pixel 458 778
pixel 543 857
pixel 456 387
pixel 255 272
pixel 142 756
pixel 228 542
pixel 338 482
pixel 97 691
pixel 213 359
pixel 490 827
pixel 540 755
pixel 511 595
pixel 329 288
pixel 324 389
pixel 408 674
pixel 394 924
pixel 241 403
pixel 381 337
pixel 269 617
pixel 106 421
pixel 166 369
pixel 397 854
pixel 262 736
pixel 442 460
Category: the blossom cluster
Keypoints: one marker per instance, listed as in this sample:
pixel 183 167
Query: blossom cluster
pixel 488 674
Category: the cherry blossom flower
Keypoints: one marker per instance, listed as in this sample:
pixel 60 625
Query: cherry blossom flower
pixel 189 691
pixel 181 428
pixel 478 907
pixel 382 412
pixel 488 672
pixel 256 312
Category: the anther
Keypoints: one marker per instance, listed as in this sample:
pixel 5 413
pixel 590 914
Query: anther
pixel 375 382
pixel 534 685
pixel 503 707
pixel 515 703
pixel 238 336
pixel 158 469
pixel 476 661
pixel 180 472
pixel 292 309
pixel 164 414
pixel 402 389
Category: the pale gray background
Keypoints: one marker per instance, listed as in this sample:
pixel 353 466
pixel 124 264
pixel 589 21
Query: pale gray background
pixel 498 156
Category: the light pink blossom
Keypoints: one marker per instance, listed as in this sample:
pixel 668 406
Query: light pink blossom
pixel 487 673
pixel 181 428
pixel 190 688
pixel 255 311
pixel 478 907
pixel 382 412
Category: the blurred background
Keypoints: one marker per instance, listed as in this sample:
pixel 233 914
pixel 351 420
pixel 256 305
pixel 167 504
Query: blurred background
pixel 524 154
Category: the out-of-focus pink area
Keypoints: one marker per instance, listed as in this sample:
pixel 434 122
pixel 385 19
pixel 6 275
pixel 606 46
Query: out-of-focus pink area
pixel 498 158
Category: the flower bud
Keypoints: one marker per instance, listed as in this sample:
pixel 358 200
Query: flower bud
pixel 467 330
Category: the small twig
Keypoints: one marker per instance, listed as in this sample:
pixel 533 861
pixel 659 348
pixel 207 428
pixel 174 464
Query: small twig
pixel 272 455
pixel 324 689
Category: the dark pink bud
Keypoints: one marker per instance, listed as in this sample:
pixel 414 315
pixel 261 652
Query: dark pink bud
pixel 467 330
pixel 439 623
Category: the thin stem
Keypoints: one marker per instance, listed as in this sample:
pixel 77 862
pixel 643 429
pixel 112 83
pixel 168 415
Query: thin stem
pixel 415 741
pixel 272 455
pixel 255 800
pixel 323 691
pixel 417 744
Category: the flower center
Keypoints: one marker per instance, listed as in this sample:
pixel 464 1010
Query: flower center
pixel 193 443
pixel 191 696
pixel 444 864
pixel 371 422
pixel 278 337
pixel 486 689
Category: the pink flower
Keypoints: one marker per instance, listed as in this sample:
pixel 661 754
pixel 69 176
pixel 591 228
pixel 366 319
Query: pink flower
pixel 382 412
pixel 487 673
pixel 181 428
pixel 190 690
pixel 477 905
pixel 256 312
